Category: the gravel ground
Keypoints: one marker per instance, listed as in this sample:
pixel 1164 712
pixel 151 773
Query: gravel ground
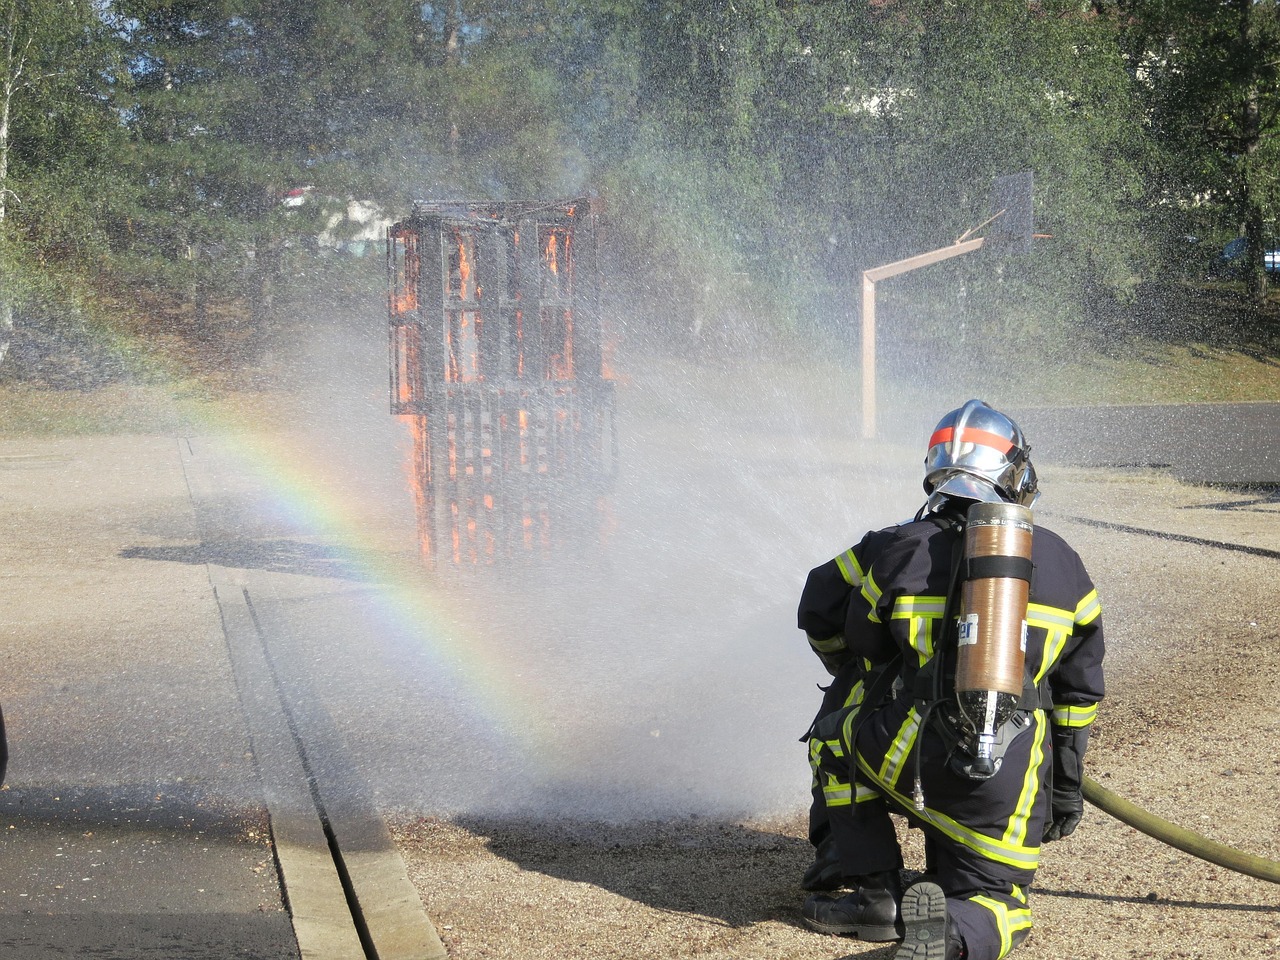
pixel 1186 732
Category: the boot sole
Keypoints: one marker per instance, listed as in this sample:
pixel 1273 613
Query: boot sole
pixel 924 915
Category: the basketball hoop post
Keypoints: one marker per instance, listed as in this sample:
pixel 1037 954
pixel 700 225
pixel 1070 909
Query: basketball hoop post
pixel 1010 232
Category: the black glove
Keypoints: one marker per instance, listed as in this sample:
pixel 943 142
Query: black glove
pixel 1064 821
pixel 1067 803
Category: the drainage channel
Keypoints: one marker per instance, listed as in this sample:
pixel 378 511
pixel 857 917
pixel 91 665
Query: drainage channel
pixel 344 883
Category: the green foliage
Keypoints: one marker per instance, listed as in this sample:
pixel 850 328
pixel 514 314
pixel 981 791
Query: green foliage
pixel 755 156
pixel 1211 74
pixel 819 139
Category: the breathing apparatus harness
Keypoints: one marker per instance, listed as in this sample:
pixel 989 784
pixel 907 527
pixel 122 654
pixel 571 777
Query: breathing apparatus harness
pixel 931 680
pixel 933 686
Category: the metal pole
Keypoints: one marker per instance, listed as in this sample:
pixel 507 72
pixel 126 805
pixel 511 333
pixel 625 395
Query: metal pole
pixel 869 278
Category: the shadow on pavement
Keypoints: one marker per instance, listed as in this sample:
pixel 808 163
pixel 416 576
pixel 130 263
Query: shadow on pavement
pixel 137 871
pixel 276 555
pixel 725 871
pixel 1154 901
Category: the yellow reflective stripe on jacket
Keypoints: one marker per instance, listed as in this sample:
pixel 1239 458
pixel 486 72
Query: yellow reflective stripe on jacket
pixel 1050 618
pixel 891 767
pixel 850 569
pixel 871 593
pixel 836 793
pixel 863 793
pixel 1058 625
pixel 1008 922
pixel 1075 716
pixel 855 695
pixel 1087 610
pixel 1016 832
pixel 922 613
pixel 896 757
pixel 1055 642
pixel 923 606
pixel 999 850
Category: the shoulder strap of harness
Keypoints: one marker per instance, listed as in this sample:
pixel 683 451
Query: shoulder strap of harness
pixel 946 635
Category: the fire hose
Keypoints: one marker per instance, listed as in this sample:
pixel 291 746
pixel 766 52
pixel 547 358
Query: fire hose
pixel 1185 840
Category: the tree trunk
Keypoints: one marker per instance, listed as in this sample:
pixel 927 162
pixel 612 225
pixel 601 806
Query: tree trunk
pixel 12 69
pixel 1255 275
pixel 6 98
pixel 14 61
pixel 1250 137
pixel 6 328
pixel 267 259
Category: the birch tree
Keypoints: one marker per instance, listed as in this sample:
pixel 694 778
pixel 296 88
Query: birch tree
pixel 55 122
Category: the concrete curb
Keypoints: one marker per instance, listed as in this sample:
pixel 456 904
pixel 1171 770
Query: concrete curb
pixel 346 887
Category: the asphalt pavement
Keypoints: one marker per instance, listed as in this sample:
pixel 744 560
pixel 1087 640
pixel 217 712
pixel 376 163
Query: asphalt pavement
pixel 1216 443
pixel 133 815
pixel 1234 444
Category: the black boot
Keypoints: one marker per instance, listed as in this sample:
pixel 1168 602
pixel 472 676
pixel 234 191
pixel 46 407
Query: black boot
pixel 824 873
pixel 870 913
pixel 929 932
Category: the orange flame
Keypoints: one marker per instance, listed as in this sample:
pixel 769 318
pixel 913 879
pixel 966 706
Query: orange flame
pixel 404 287
pixel 420 481
pixel 462 327
pixel 465 507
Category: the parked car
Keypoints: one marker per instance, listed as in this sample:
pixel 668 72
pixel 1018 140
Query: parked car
pixel 1233 253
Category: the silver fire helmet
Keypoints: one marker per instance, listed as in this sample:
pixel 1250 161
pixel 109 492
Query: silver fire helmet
pixel 978 453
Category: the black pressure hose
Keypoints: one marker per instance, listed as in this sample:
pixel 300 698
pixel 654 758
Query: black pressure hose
pixel 1179 837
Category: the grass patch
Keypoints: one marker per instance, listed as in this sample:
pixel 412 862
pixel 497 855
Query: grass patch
pixel 1146 371
pixel 1194 343
pixel 28 410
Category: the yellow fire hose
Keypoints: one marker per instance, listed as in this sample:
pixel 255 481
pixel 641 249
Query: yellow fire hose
pixel 1179 837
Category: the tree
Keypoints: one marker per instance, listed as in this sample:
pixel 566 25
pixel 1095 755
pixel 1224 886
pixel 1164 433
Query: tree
pixel 814 139
pixel 56 139
pixel 1212 72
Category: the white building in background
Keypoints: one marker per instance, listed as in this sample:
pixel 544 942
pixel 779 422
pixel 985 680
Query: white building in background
pixel 355 227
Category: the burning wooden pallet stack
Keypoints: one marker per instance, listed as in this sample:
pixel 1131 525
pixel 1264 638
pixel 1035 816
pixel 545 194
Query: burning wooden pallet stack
pixel 497 362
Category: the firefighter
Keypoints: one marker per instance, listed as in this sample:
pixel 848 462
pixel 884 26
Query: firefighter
pixel 890 738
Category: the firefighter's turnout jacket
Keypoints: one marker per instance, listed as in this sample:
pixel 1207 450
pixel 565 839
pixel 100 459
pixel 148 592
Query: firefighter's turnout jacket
pixel 887 596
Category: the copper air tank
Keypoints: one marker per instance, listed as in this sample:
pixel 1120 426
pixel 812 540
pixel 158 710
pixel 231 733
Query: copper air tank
pixel 993 604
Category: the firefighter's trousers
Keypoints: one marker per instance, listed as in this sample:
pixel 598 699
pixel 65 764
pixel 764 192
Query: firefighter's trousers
pixel 982 838
pixel 846 690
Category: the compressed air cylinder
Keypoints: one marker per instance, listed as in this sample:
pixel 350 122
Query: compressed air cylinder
pixel 993 616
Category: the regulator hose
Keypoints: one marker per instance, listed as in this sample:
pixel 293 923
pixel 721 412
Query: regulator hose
pixel 1175 836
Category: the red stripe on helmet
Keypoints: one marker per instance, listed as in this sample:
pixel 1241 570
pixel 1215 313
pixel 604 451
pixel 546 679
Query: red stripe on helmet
pixel 973 435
